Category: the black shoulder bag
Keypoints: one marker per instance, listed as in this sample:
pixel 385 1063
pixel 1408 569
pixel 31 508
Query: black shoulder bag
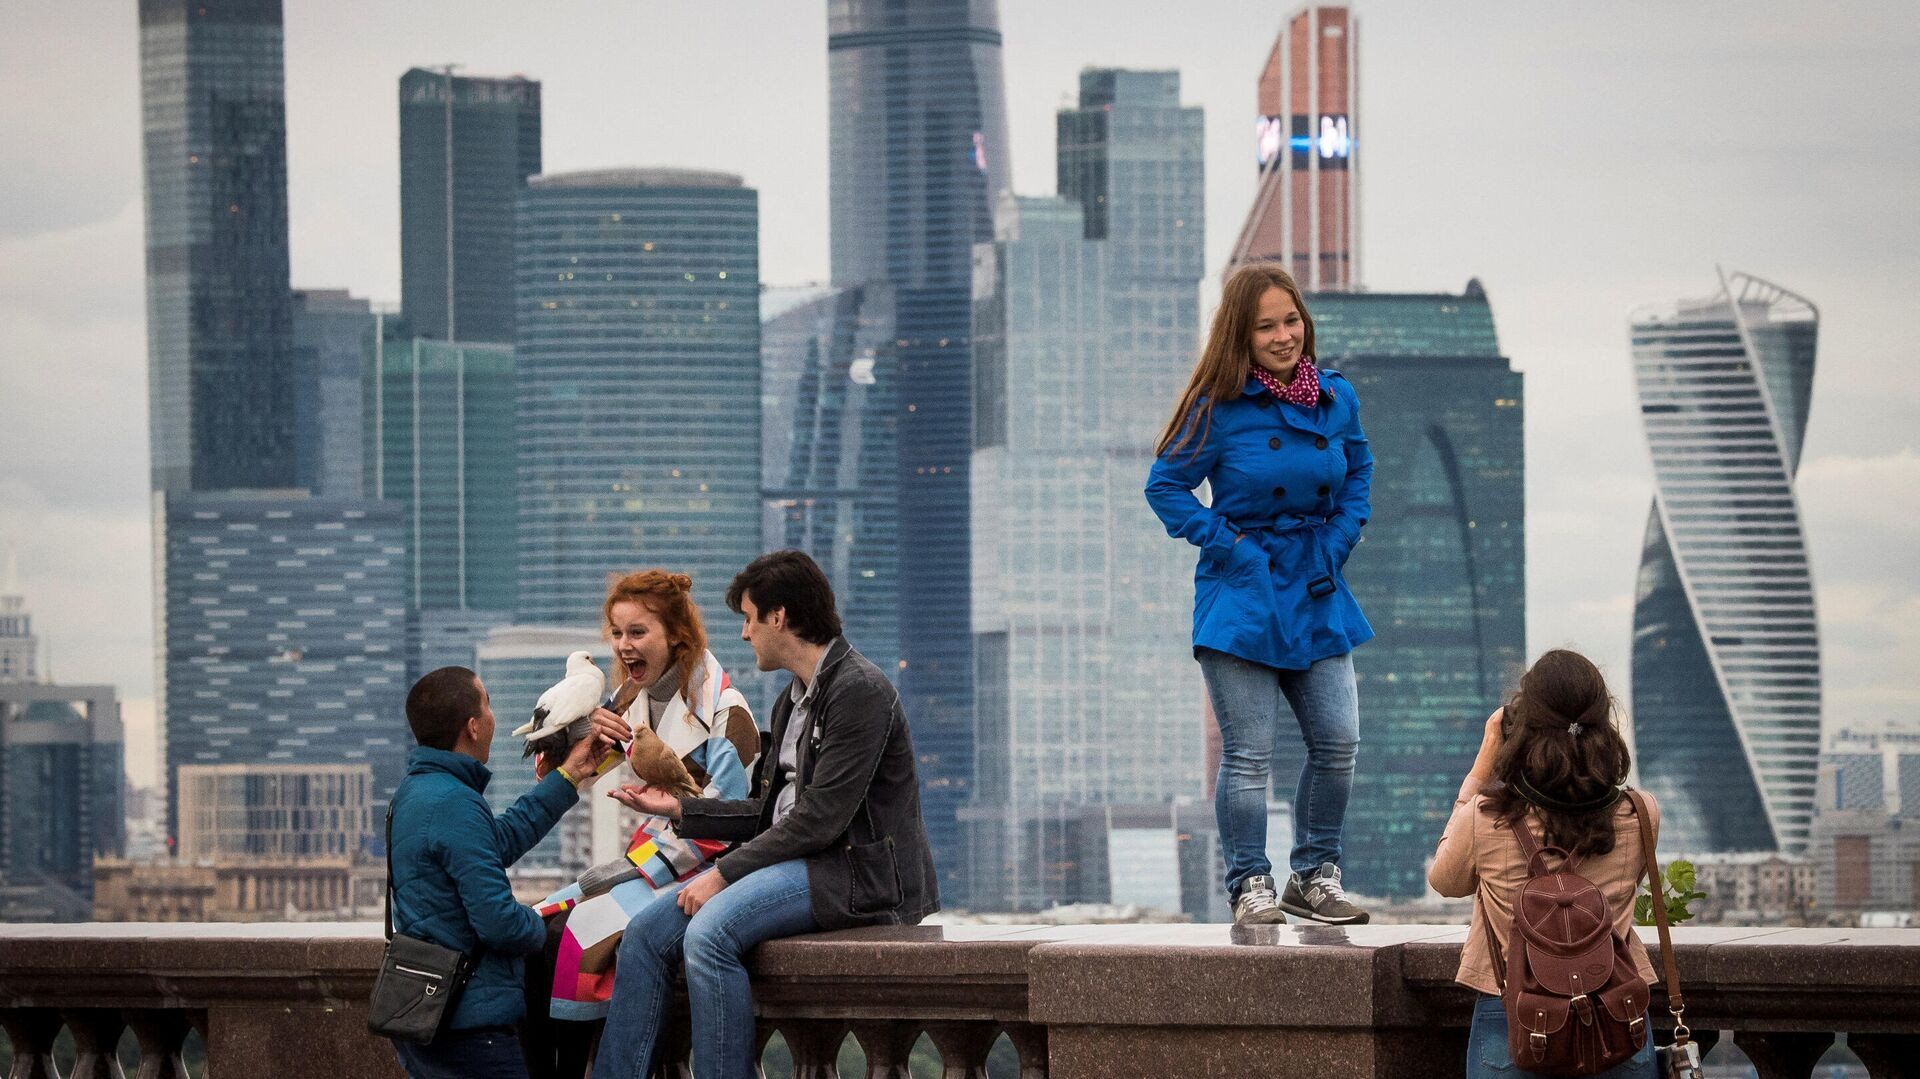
pixel 419 980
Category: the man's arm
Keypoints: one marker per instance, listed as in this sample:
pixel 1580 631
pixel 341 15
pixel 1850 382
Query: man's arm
pixel 853 723
pixel 469 854
pixel 532 816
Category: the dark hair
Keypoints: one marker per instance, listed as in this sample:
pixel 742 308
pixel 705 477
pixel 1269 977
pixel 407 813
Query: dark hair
pixel 439 705
pixel 1542 752
pixel 789 581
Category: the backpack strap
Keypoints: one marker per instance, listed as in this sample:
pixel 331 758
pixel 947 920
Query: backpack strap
pixel 1676 1004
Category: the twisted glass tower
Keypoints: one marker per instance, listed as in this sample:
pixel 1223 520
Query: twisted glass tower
pixel 1726 652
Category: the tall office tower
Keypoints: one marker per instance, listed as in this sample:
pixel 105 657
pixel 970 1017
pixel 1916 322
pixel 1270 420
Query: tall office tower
pixel 467 145
pixel 918 128
pixel 1087 311
pixel 19 648
pixel 333 338
pixel 219 377
pixel 1440 569
pixel 829 386
pixel 284 633
pixel 61 776
pixel 441 442
pixel 1306 209
pixel 1726 650
pixel 278 812
pixel 638 367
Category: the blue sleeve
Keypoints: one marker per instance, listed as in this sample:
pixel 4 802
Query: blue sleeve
pixel 532 816
pixel 724 770
pixel 1170 486
pixel 479 875
pixel 1353 505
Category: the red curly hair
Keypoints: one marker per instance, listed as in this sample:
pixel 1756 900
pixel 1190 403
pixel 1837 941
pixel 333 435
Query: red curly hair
pixel 670 597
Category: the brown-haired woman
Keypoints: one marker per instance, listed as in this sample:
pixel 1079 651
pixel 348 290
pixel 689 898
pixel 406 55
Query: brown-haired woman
pixel 1552 761
pixel 693 710
pixel 1279 441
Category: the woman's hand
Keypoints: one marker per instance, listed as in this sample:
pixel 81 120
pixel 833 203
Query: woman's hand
pixel 645 799
pixel 1491 739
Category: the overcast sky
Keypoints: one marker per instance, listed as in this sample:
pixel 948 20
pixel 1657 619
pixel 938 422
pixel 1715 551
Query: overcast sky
pixel 1581 160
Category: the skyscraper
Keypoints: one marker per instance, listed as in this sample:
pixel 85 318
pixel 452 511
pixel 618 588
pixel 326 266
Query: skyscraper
pixel 61 762
pixel 1086 315
pixel 467 144
pixel 19 648
pixel 332 341
pixel 1726 650
pixel 830 384
pixel 638 367
pixel 1440 569
pixel 219 378
pixel 1306 210
pixel 284 643
pixel 918 129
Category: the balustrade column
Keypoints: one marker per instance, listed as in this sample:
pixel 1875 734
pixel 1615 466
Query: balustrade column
pixel 815 1045
pixel 162 1035
pixel 1783 1055
pixel 1888 1056
pixel 32 1031
pixel 888 1046
pixel 963 1047
pixel 96 1041
pixel 1030 1041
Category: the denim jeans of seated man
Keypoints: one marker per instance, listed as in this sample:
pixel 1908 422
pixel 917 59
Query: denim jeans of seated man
pixel 1488 1056
pixel 480 1053
pixel 1248 699
pixel 764 905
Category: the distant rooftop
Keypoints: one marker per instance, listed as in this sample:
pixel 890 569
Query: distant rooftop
pixel 637 178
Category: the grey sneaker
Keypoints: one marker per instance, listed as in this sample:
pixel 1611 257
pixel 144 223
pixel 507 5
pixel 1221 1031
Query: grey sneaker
pixel 1256 904
pixel 1319 896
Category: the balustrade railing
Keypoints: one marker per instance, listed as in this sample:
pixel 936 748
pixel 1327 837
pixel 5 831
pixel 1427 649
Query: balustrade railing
pixel 1075 1002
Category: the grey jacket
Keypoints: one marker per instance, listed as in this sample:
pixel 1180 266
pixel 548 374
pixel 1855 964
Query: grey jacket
pixel 856 819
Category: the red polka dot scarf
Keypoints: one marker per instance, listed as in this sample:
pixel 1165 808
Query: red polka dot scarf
pixel 1304 390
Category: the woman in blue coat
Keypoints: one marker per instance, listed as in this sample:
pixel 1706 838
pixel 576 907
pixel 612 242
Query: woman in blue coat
pixel 1279 442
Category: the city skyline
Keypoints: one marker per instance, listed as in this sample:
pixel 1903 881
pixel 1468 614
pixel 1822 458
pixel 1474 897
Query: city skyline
pixel 1637 247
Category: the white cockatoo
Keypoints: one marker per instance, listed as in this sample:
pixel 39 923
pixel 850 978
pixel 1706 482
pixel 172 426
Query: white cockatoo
pixel 568 701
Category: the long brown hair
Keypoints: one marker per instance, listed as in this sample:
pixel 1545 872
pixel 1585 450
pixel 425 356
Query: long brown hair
pixel 670 597
pixel 1222 369
pixel 1542 751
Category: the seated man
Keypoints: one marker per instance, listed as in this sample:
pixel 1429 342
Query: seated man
pixel 450 859
pixel 831 838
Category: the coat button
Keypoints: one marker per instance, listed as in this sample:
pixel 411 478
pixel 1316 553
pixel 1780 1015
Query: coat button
pixel 1320 443
pixel 1264 400
pixel 1273 443
pixel 1324 491
pixel 1279 492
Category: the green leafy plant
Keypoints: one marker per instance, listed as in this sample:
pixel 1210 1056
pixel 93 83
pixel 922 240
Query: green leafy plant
pixel 1678 887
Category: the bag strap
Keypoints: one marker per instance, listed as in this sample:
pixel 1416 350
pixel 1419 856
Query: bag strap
pixel 1656 886
pixel 388 897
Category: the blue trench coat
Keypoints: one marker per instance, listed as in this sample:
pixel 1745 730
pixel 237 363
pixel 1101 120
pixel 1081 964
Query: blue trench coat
pixel 1295 481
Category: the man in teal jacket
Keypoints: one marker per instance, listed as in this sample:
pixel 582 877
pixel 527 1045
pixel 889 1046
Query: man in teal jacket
pixel 450 859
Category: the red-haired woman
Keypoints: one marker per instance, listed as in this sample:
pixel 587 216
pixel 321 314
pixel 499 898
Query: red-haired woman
pixel 1279 441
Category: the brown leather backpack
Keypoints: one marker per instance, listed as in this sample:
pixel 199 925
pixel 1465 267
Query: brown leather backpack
pixel 1576 1004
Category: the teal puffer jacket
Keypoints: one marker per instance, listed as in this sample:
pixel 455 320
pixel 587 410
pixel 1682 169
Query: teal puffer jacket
pixel 450 859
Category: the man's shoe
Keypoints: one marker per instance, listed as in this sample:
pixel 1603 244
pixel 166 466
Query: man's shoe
pixel 1256 904
pixel 1320 897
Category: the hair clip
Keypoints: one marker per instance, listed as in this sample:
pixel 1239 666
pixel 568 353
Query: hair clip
pixel 1573 729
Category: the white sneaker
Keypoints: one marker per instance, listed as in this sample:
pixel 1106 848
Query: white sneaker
pixel 1258 904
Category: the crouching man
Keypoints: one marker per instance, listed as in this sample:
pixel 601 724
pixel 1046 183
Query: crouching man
pixel 830 838
pixel 450 859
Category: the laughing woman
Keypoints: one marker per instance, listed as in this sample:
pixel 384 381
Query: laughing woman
pixel 1279 441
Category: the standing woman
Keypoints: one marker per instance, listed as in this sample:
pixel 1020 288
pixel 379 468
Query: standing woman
pixel 1274 625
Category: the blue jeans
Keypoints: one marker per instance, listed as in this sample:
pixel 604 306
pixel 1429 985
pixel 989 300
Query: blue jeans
pixel 1247 698
pixel 480 1053
pixel 1489 1058
pixel 764 905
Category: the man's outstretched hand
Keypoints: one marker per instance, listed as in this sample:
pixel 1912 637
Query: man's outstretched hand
pixel 650 800
pixel 583 760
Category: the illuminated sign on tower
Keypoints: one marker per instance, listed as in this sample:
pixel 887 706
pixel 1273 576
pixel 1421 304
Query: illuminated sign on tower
pixel 1305 213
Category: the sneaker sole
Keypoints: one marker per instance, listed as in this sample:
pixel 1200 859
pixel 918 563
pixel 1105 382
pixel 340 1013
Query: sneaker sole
pixel 1309 914
pixel 1266 917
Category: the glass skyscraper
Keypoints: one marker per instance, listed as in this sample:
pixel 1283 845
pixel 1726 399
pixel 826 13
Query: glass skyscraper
pixel 467 144
pixel 830 385
pixel 332 341
pixel 1726 649
pixel 440 436
pixel 918 130
pixel 638 368
pixel 61 774
pixel 1087 310
pixel 213 120
pixel 283 632
pixel 1440 569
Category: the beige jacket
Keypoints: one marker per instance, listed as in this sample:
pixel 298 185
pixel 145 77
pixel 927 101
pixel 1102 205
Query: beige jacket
pixel 1479 856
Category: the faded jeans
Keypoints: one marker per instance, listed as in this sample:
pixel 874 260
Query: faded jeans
pixel 1488 1056
pixel 763 905
pixel 1247 700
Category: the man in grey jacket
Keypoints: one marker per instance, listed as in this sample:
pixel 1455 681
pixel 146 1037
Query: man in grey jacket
pixel 831 838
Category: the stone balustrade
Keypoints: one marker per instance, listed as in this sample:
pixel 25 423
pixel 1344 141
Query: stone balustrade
pixel 1076 1002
